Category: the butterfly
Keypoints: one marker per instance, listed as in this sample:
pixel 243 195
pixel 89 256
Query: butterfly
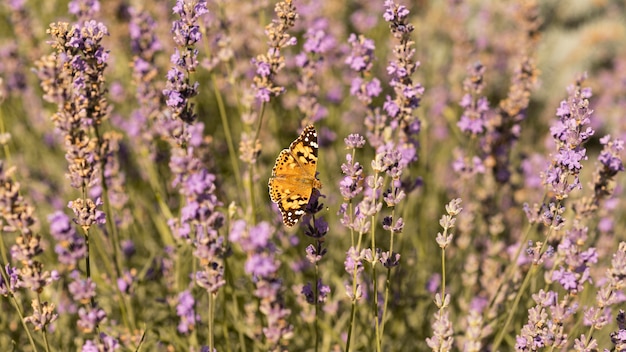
pixel 293 176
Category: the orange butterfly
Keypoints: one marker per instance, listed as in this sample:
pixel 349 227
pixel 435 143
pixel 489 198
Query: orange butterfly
pixel 293 177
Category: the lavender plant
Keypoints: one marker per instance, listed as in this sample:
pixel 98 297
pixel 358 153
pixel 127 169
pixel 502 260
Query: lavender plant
pixel 136 143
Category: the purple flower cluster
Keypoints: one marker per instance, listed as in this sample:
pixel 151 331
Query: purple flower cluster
pixel 504 128
pixel 185 310
pixel 267 65
pixel 317 44
pixel 84 9
pixel 178 89
pixel 573 262
pixel 610 165
pixel 104 342
pixel 443 332
pixel 12 283
pixel 570 132
pixel 361 60
pixel 75 73
pixel 545 322
pixel 144 121
pixel 17 216
pixel 472 120
pixel 70 246
pixel 114 182
pixel 407 94
pixel 262 265
pixel 89 318
pixel 200 220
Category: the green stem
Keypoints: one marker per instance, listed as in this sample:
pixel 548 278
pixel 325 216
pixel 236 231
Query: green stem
pixel 315 302
pixel 252 209
pixel 352 316
pixel 511 268
pixel 443 268
pixel 21 314
pixel 518 297
pixel 388 278
pixel 229 138
pixel 211 319
pixel 88 265
pixel 354 294
pixel 45 339
pixel 375 285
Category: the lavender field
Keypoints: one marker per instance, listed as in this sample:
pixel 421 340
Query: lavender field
pixel 451 175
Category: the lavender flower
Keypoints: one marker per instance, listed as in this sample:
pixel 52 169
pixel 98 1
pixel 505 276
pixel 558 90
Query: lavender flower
pixel 475 107
pixel 146 121
pixel 473 332
pixel 618 338
pixel 86 213
pixel 407 93
pixel 577 260
pixel 442 327
pixel 84 9
pixel 82 290
pixel 267 65
pixel 43 315
pixel 114 177
pixel 70 246
pixel 608 166
pixel 505 127
pixel 17 216
pixel 262 265
pixel 318 43
pixel 89 318
pixel 9 288
pixel 185 310
pixel 360 60
pixel 570 133
pixel 104 342
pixel 309 292
pixel 545 323
pixel 178 89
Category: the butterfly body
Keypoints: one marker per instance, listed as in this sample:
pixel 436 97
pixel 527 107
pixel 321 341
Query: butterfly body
pixel 293 176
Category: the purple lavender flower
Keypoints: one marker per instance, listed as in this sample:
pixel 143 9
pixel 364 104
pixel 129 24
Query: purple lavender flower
pixel 618 338
pixel 475 107
pixel 12 69
pixel 570 133
pixel 361 56
pixel 260 265
pixel 186 31
pixel 408 94
pixel 9 288
pixel 43 314
pixel 317 44
pixel 82 290
pixel 361 60
pixel 89 318
pixel 86 213
pixel 309 293
pixel 442 338
pixel 268 65
pixel 126 281
pixel 104 342
pixel 545 323
pixel 84 9
pixel 185 310
pixel 610 165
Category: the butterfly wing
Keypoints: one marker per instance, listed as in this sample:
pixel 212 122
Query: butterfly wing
pixel 293 176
